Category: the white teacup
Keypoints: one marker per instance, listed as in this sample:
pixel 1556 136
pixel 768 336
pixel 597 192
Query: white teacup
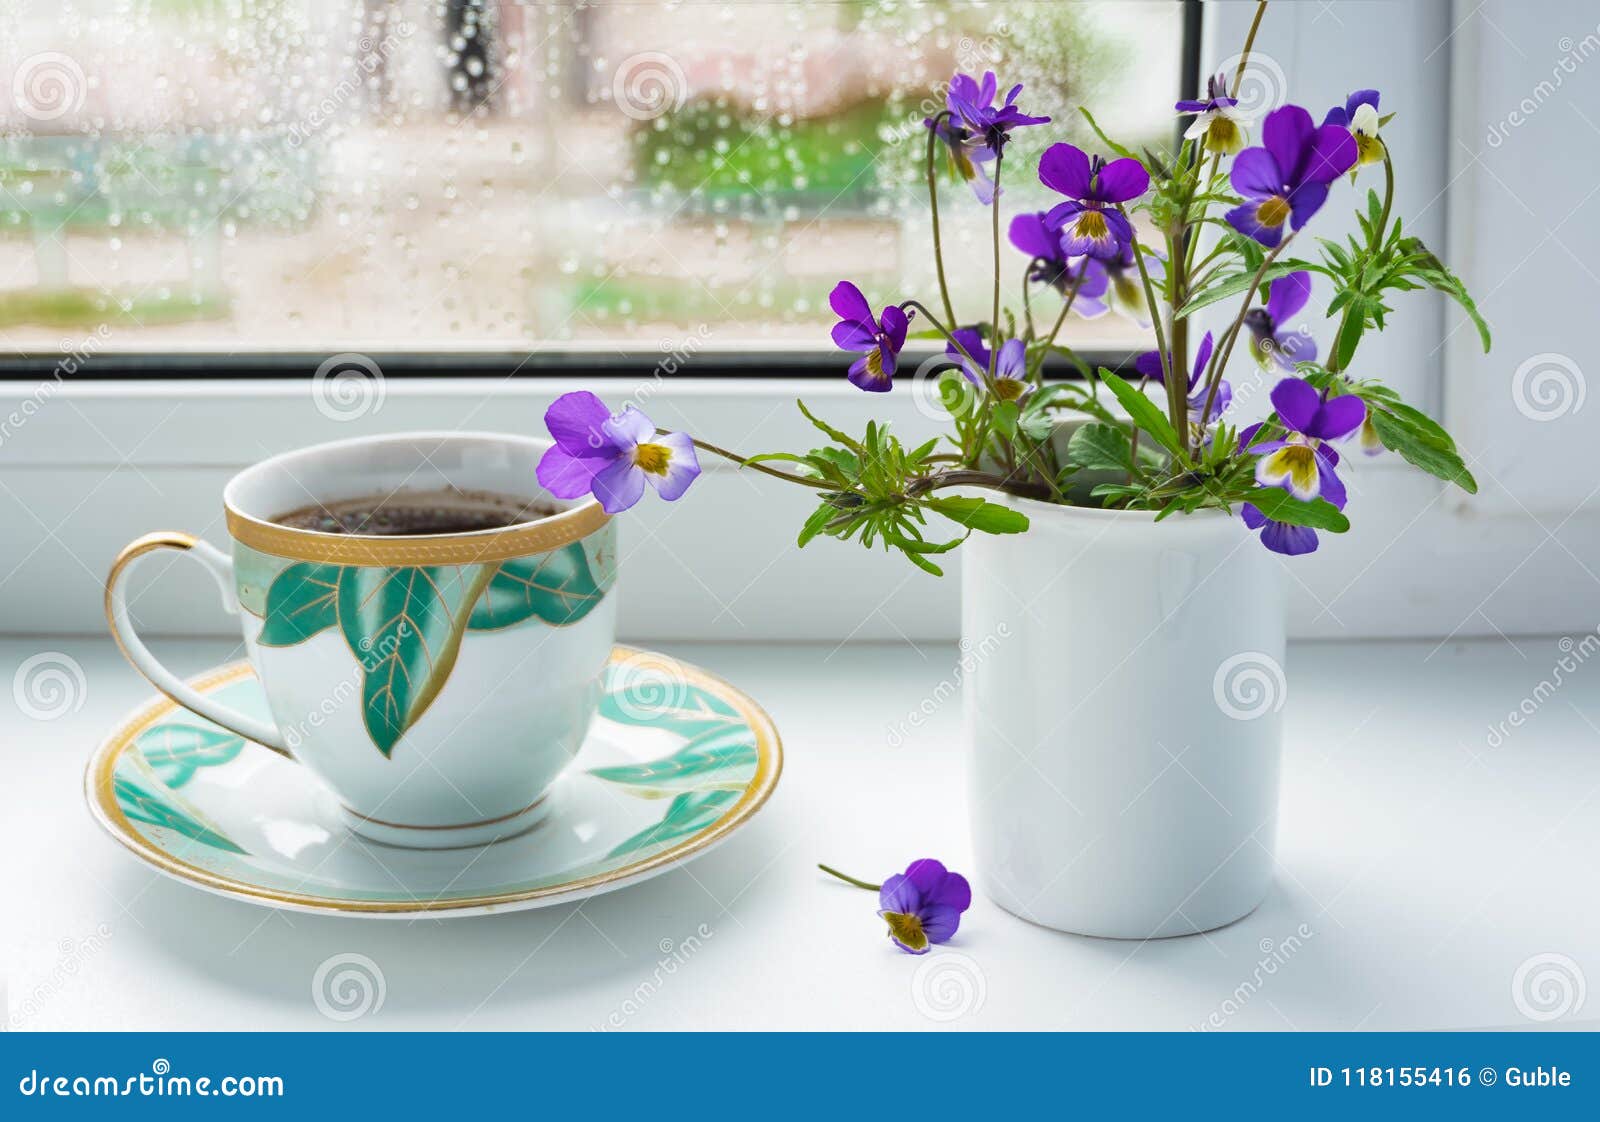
pixel 437 683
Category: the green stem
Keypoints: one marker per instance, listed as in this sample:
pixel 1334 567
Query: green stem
pixel 1066 306
pixel 1374 243
pixel 1219 357
pixel 1176 406
pixel 1216 158
pixel 849 880
pixel 743 461
pixel 994 320
pixel 933 209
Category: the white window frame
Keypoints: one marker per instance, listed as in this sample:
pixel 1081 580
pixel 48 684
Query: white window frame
pixel 86 466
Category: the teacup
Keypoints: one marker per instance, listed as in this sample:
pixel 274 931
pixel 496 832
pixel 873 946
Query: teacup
pixel 437 683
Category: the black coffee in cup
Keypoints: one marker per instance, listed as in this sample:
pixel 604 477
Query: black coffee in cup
pixel 405 513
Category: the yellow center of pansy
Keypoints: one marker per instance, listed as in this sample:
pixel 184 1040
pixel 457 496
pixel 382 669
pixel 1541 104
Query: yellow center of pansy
pixel 1369 149
pixel 1297 462
pixel 1272 212
pixel 652 458
pixel 1009 389
pixel 1092 224
pixel 906 930
pixel 1223 135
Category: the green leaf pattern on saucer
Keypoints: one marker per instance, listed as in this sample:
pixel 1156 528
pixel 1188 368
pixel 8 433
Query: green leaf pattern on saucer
pixel 667 762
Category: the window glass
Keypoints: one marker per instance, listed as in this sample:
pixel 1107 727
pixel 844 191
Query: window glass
pixel 473 174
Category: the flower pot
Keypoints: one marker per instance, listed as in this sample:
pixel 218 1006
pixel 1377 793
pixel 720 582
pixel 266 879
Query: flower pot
pixel 1123 698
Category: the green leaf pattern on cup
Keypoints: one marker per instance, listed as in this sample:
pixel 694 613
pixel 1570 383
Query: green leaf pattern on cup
pixel 404 625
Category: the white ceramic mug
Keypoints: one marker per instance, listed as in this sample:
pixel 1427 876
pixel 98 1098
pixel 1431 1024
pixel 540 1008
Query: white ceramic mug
pixel 437 683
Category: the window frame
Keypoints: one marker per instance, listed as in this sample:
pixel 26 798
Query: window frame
pixel 582 361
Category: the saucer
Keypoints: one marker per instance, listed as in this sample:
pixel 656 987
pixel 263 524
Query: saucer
pixel 675 761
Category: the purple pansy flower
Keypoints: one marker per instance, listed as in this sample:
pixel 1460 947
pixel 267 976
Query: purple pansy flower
pixel 1087 222
pixel 1010 365
pixel 923 905
pixel 612 456
pixel 1275 340
pixel 976 130
pixel 1302 462
pixel 878 338
pixel 1032 236
pixel 1149 364
pixel 972 104
pixel 1219 120
pixel 1359 114
pixel 1285 182
pixel 1283 537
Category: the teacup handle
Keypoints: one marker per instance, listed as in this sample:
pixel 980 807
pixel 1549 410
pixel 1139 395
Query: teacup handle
pixel 220 566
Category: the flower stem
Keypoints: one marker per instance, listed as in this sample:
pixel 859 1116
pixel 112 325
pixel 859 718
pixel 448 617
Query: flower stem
pixel 744 462
pixel 933 209
pixel 1066 307
pixel 849 880
pixel 1192 231
pixel 994 214
pixel 1176 404
pixel 1219 357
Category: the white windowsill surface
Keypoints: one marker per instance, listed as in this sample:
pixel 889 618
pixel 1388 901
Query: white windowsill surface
pixel 1426 866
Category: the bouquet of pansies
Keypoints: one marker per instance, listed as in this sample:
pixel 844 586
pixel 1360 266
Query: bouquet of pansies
pixel 1175 452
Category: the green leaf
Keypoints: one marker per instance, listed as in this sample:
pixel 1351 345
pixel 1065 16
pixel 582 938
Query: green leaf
pixel 1350 331
pixel 143 806
pixel 981 515
pixel 1420 448
pixel 1101 447
pixel 813 525
pixel 1235 283
pixel 723 759
pixel 645 694
pixel 833 434
pixel 1146 415
pixel 1104 139
pixel 302 601
pixel 175 752
pixel 688 814
pixel 1280 506
pixel 1005 418
pixel 557 587
pixel 401 625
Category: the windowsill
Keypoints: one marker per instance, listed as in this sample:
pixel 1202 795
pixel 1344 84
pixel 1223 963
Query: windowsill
pixel 1426 868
